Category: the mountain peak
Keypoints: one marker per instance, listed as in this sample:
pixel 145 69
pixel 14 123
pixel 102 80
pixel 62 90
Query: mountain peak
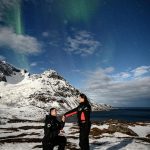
pixel 50 72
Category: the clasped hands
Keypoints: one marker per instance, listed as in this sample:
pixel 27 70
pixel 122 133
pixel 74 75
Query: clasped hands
pixel 63 118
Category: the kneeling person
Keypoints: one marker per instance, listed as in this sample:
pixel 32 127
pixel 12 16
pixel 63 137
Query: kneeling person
pixel 52 129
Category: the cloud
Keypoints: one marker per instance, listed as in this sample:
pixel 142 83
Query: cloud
pixel 54 38
pixel 82 43
pixel 76 70
pixel 2 57
pixel 33 64
pixel 123 75
pixel 104 85
pixel 135 73
pixel 45 34
pixel 20 43
pixel 42 68
pixel 141 71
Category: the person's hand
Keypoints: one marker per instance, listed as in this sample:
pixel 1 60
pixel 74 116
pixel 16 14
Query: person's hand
pixel 63 118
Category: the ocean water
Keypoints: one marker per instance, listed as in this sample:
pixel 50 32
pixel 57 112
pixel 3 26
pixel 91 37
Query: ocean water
pixel 125 114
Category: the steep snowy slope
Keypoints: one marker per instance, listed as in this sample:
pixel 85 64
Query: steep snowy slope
pixel 25 96
pixel 10 74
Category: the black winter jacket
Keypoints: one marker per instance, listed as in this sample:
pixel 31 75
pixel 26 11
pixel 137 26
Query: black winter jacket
pixel 52 127
pixel 83 112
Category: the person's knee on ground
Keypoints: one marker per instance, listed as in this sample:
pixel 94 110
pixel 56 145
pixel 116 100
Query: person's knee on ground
pixel 62 143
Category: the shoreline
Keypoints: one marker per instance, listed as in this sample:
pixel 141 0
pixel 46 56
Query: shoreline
pixel 92 121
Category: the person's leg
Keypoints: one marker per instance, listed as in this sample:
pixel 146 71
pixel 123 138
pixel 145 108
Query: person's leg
pixel 61 142
pixel 51 146
pixel 84 137
pixel 44 144
pixel 47 144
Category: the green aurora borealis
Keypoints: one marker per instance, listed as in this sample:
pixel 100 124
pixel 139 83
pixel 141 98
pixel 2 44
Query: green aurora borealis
pixel 13 17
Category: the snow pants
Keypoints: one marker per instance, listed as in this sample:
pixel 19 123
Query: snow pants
pixel 59 141
pixel 84 136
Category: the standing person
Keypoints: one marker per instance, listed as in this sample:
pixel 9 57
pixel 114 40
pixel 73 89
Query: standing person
pixel 52 129
pixel 83 114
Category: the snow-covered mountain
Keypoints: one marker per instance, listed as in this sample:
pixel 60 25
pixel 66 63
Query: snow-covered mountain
pixel 25 96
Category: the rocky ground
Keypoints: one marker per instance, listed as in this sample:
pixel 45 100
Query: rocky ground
pixel 107 135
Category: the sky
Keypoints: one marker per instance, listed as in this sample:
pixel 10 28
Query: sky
pixel 101 47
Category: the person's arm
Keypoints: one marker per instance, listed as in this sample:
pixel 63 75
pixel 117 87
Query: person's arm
pixel 71 112
pixel 62 124
pixel 45 124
